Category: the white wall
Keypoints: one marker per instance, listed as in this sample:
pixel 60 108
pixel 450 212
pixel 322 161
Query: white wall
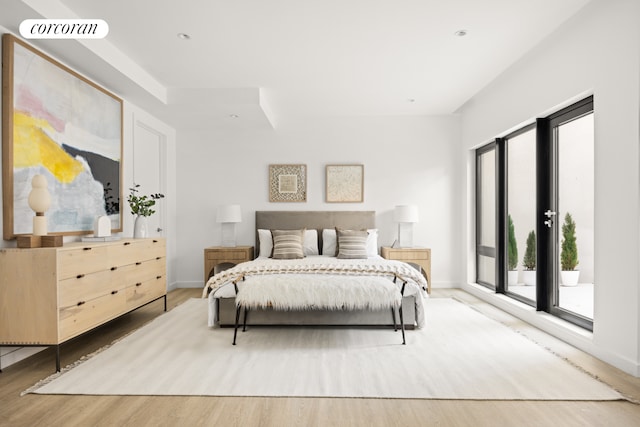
pixel 597 51
pixel 407 160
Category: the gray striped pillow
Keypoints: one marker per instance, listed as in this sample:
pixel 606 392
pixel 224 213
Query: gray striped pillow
pixel 287 244
pixel 352 244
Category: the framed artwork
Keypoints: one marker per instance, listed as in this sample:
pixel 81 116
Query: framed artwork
pixel 58 124
pixel 345 183
pixel 287 183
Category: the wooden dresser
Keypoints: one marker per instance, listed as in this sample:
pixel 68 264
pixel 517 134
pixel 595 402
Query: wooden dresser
pixel 50 295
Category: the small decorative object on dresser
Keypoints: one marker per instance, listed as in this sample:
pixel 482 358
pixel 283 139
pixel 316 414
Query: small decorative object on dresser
pixel 141 206
pixel 418 256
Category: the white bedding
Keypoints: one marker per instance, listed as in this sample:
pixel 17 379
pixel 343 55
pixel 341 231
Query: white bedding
pixel 320 282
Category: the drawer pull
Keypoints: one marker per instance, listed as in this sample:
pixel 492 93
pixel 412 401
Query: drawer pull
pixel 86 249
pixel 158 277
pixel 114 268
pixel 114 292
pixel 139 284
pixel 127 243
pixel 158 257
pixel 138 263
pixel 80 303
pixel 155 241
pixel 79 276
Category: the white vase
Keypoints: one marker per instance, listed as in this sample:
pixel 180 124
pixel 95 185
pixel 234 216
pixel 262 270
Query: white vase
pixel 570 278
pixel 529 277
pixel 140 229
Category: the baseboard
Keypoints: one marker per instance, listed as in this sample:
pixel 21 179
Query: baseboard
pixel 12 355
pixel 194 284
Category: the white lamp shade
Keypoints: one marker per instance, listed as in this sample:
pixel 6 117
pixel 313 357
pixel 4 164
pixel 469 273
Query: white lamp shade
pixel 229 213
pixel 405 213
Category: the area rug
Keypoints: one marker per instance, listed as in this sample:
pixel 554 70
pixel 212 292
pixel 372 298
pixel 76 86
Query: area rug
pixel 460 354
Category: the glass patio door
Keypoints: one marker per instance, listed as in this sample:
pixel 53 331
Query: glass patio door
pixel 572 225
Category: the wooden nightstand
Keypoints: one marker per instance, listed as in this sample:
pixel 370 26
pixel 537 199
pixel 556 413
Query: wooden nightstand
pixel 218 254
pixel 419 256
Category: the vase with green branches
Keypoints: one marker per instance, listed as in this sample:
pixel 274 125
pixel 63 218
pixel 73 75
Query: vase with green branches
pixel 512 255
pixel 569 252
pixel 529 260
pixel 142 207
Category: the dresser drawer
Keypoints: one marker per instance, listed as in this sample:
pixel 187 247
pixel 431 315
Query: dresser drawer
pixel 140 271
pixel 85 288
pixel 80 318
pixel 132 250
pixel 82 260
pixel 227 254
pixel 143 292
pixel 408 254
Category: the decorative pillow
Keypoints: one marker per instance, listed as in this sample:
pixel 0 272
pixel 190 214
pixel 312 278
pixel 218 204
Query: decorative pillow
pixel 352 244
pixel 310 244
pixel 329 242
pixel 372 242
pixel 287 244
pixel 265 240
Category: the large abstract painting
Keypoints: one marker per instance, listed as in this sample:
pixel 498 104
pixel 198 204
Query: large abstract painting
pixel 58 124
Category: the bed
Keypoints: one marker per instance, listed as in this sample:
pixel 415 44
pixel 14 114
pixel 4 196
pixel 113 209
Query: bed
pixel 320 288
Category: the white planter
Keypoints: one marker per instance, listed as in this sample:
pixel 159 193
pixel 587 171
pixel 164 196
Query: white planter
pixel 529 277
pixel 570 278
pixel 512 277
pixel 140 227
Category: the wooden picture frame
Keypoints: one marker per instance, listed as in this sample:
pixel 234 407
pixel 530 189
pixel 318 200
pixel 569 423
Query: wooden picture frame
pixel 59 124
pixel 288 183
pixel 345 183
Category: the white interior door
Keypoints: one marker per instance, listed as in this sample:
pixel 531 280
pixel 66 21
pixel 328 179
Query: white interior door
pixel 149 148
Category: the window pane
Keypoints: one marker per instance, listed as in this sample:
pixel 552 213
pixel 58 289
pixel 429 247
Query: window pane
pixel 576 198
pixel 521 206
pixel 487 270
pixel 487 199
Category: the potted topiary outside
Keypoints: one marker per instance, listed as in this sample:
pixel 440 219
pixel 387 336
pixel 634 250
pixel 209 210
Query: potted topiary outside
pixel 529 260
pixel 569 253
pixel 512 256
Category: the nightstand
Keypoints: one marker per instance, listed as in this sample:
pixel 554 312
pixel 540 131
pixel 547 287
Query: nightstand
pixel 215 255
pixel 419 256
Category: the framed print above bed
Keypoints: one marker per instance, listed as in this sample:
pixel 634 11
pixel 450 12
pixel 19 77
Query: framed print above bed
pixel 345 183
pixel 58 124
pixel 287 183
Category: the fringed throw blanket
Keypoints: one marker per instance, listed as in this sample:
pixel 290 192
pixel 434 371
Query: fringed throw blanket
pixel 318 283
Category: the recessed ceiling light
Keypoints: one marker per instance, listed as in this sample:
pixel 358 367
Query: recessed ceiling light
pixel 460 33
pixel 411 100
pixel 234 116
pixel 183 36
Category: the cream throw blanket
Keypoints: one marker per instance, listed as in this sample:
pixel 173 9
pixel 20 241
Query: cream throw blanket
pixel 318 282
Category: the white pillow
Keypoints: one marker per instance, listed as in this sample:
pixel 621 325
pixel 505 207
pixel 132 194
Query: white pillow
pixel 310 244
pixel 265 240
pixel 372 242
pixel 329 242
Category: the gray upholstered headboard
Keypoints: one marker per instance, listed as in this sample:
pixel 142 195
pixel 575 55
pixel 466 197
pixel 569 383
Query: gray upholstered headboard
pixel 293 220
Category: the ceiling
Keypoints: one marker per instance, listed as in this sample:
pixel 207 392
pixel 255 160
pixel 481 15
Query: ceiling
pixel 256 63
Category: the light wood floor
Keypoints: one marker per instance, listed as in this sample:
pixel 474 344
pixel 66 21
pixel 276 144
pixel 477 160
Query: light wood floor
pixel 45 410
